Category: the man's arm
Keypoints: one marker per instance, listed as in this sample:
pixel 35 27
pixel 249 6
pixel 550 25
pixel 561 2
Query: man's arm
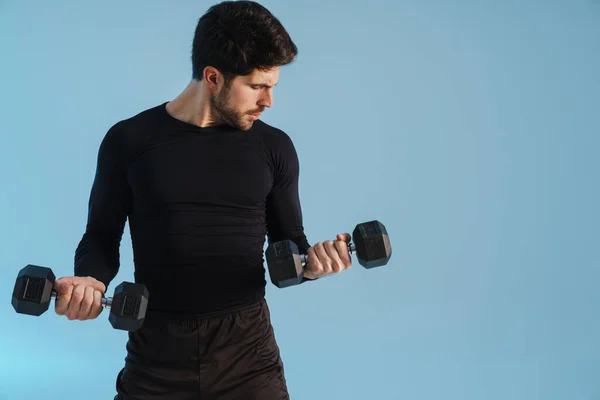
pixel 284 212
pixel 284 218
pixel 110 202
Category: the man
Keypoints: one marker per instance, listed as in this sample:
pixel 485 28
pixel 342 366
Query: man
pixel 202 181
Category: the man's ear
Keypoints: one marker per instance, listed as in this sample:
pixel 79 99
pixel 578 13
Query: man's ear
pixel 213 78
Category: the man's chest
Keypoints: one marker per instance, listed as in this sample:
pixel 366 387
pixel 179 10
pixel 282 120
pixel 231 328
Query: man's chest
pixel 205 172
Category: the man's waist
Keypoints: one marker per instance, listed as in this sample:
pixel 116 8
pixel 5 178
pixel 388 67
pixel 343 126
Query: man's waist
pixel 196 290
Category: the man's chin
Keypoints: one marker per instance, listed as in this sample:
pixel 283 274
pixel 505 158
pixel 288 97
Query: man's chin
pixel 245 125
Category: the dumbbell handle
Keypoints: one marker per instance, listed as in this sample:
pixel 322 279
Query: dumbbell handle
pixel 106 301
pixel 351 250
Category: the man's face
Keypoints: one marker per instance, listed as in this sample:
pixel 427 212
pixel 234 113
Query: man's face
pixel 241 102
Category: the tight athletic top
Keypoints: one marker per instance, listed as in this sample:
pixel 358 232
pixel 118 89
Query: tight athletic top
pixel 200 204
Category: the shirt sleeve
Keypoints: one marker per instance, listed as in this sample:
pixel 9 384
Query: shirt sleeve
pixel 284 212
pixel 110 202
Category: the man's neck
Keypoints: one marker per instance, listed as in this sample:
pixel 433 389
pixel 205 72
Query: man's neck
pixel 192 106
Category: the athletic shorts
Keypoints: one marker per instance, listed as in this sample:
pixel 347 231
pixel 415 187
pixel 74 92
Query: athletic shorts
pixel 227 355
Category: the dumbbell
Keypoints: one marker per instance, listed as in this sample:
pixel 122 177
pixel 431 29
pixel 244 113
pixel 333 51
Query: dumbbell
pixel 371 246
pixel 34 289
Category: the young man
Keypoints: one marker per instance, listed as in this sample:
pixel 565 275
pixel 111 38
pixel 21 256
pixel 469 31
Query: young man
pixel 202 181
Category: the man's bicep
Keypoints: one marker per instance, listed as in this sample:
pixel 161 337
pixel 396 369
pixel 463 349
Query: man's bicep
pixel 110 194
pixel 109 204
pixel 283 211
pixel 284 219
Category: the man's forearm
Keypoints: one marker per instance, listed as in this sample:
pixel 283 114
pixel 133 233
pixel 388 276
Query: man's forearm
pixel 97 255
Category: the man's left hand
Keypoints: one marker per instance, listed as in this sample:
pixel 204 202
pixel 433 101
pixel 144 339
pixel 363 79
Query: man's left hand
pixel 327 258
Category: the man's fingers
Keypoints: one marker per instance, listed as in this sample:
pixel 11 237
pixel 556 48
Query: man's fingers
pixel 79 297
pixel 97 306
pixel 62 302
pixel 331 256
pixel 86 303
pixel 75 303
pixel 326 262
pixel 335 262
pixel 97 285
pixel 343 254
pixel 314 261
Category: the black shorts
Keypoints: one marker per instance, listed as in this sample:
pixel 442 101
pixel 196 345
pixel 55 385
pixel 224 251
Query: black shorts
pixel 227 355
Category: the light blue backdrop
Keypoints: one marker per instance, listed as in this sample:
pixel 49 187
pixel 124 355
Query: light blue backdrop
pixel 470 128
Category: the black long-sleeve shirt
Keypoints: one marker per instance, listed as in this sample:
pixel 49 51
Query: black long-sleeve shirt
pixel 200 204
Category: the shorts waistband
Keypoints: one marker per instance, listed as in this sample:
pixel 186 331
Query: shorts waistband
pixel 166 316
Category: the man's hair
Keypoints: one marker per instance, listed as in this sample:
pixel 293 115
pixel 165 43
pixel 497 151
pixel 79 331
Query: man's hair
pixel 237 37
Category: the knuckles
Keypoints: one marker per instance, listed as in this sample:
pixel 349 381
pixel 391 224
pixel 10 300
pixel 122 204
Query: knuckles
pixel 317 267
pixel 320 261
pixel 77 297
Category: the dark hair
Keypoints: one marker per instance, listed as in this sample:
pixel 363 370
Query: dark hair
pixel 237 37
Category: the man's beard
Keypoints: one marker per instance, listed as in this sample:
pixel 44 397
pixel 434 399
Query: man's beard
pixel 227 113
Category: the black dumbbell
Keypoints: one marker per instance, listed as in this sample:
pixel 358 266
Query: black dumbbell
pixel 34 290
pixel 371 246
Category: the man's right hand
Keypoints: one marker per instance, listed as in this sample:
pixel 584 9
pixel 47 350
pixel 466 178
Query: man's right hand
pixel 79 297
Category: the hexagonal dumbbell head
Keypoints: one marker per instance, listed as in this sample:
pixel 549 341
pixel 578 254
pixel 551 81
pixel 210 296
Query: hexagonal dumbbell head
pixel 373 247
pixel 33 290
pixel 285 264
pixel 128 306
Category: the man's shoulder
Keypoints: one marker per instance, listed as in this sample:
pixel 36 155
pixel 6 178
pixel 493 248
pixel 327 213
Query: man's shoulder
pixel 129 132
pixel 142 122
pixel 271 133
pixel 278 142
pixel 143 119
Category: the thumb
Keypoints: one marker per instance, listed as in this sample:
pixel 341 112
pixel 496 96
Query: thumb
pixel 89 281
pixel 65 284
pixel 344 237
pixel 62 285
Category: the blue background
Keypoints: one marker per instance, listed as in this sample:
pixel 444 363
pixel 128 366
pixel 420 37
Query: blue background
pixel 469 128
